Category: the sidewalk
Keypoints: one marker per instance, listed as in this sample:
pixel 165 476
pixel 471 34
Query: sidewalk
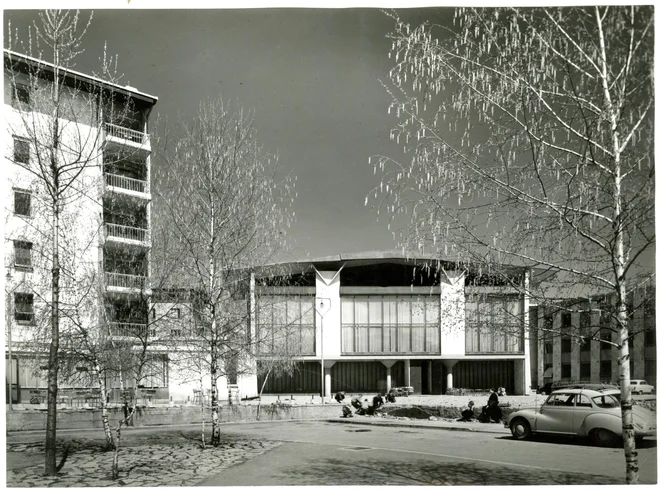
pixel 440 424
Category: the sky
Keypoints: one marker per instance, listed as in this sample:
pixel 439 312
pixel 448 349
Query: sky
pixel 312 77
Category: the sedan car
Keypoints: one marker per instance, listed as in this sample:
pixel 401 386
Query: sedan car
pixel 580 412
pixel 641 387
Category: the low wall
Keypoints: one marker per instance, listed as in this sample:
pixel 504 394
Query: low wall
pixel 154 416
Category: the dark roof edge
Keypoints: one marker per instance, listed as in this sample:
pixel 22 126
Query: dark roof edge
pixel 95 81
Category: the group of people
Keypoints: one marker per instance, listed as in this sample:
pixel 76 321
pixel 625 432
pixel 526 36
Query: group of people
pixel 491 412
pixel 361 405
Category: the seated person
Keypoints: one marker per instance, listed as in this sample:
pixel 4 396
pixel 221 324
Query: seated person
pixel 468 414
pixel 346 412
pixel 340 396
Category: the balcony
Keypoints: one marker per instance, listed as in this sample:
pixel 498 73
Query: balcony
pixel 127 185
pixel 127 236
pixel 129 330
pixel 126 283
pixel 118 137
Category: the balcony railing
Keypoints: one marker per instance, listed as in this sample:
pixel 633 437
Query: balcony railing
pixel 125 133
pixel 131 330
pixel 127 183
pixel 126 232
pixel 125 280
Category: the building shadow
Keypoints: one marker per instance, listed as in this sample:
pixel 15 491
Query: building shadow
pixel 352 471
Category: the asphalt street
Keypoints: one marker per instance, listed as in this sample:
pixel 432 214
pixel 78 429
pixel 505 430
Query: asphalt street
pixel 323 453
pixel 336 454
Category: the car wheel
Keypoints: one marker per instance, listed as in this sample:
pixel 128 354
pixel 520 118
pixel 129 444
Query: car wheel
pixel 520 429
pixel 602 437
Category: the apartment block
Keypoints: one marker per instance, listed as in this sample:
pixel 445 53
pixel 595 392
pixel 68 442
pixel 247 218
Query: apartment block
pixel 103 133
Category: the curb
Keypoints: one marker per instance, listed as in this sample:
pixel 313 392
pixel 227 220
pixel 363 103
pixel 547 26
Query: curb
pixel 409 424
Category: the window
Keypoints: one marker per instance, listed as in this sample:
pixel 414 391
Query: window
pixel 390 324
pixel 153 314
pixel 23 254
pixel 547 321
pixel 566 370
pixel 608 337
pixel 174 313
pixel 565 345
pixel 493 325
pixel 21 150
pixel 547 347
pixel 649 337
pixel 560 399
pixel 24 308
pixel 286 325
pixel 583 401
pixel 566 320
pixel 605 371
pixel 585 344
pixel 22 203
pixel 606 401
pixel 585 371
pixel 20 96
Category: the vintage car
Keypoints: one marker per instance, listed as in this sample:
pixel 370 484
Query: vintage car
pixel 641 387
pixel 580 412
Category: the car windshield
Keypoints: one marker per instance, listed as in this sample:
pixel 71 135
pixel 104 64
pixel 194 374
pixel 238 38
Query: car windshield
pixel 607 401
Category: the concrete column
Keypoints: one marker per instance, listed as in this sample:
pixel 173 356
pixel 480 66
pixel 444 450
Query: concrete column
pixel 429 376
pixel 388 363
pixel 556 347
pixel 540 350
pixel 406 372
pixel 575 346
pixel 248 381
pixel 595 349
pixel 449 376
pixel 327 377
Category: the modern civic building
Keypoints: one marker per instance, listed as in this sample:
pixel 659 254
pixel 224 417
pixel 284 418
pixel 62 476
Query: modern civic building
pixel 372 321
pixel 103 132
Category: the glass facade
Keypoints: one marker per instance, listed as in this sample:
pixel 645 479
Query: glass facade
pixel 390 324
pixel 493 325
pixel 286 325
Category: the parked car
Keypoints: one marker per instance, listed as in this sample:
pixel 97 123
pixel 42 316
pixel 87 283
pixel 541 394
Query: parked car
pixel 641 387
pixel 580 412
pixel 550 387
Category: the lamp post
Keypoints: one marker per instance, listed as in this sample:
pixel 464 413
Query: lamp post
pixel 322 307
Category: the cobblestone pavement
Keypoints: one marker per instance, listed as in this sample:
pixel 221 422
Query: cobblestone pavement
pixel 171 459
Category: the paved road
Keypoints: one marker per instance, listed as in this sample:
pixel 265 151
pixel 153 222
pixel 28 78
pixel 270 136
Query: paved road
pixel 324 453
pixel 318 453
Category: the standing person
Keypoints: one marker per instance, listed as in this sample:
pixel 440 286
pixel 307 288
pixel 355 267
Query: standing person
pixel 493 410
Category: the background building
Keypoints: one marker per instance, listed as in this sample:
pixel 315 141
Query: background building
pixel 558 354
pixel 105 240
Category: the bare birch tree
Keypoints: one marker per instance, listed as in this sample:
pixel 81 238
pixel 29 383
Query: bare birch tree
pixel 226 205
pixel 528 139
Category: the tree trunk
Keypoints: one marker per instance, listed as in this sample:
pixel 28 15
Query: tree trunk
pixel 619 262
pixel 51 415
pixel 215 409
pixel 109 441
pixel 201 393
